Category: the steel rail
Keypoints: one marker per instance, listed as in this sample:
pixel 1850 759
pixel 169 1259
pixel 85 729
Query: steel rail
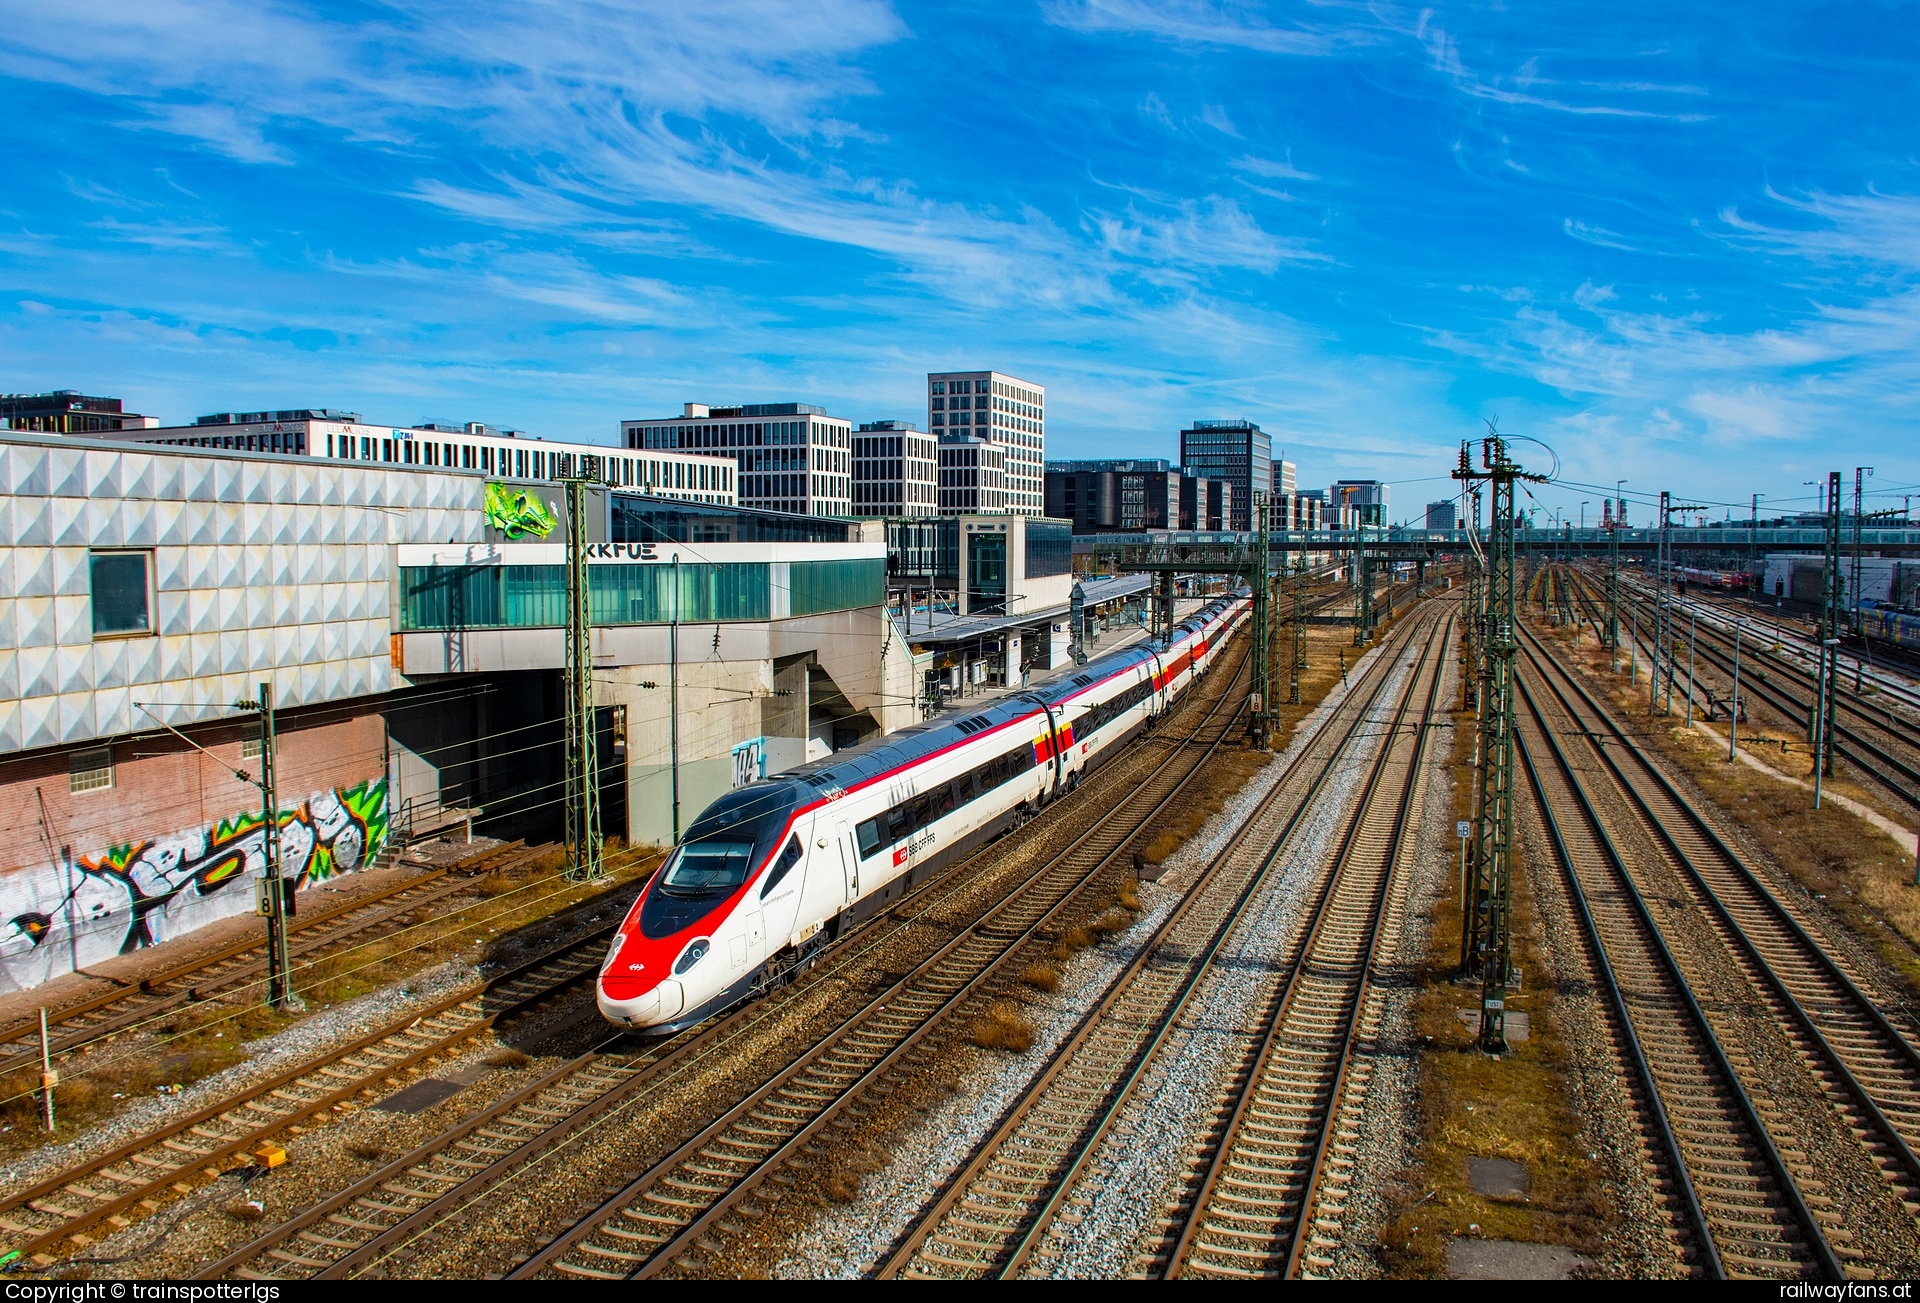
pixel 1865 754
pixel 1247 1086
pixel 428 1218
pixel 631 1083
pixel 130 1004
pixel 1753 889
pixel 1597 954
pixel 864 1058
pixel 199 1141
pixel 1125 986
pixel 1841 995
pixel 1899 666
pixel 1901 726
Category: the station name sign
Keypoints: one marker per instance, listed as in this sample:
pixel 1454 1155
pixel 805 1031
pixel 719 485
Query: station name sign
pixel 621 552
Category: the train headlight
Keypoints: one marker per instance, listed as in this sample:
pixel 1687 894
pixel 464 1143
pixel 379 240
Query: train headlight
pixel 613 952
pixel 692 955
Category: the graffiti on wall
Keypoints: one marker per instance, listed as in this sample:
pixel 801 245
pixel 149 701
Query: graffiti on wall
pixel 141 892
pixel 517 513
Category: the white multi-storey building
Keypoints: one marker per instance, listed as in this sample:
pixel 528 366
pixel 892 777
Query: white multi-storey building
pixel 791 457
pixel 1002 410
pixel 344 437
pixel 894 471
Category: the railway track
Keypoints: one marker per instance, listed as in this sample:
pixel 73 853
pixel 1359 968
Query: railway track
pixel 233 967
pixel 1891 671
pixel 1710 1150
pixel 1038 1168
pixel 1826 1087
pixel 1882 748
pixel 135 1178
pixel 407 1206
pixel 650 1224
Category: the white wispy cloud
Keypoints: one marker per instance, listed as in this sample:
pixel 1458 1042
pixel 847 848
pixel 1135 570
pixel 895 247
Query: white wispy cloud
pixel 1204 22
pixel 1525 88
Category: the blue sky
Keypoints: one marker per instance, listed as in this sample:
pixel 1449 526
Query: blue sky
pixel 1677 245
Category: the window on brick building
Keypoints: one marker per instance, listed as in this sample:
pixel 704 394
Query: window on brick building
pixel 90 771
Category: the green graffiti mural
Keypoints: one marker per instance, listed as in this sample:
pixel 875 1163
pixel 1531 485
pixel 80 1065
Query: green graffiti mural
pixel 517 513
pixel 365 809
pixel 138 892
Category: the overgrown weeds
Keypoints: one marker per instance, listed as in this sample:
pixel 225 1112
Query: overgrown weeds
pixel 1003 1027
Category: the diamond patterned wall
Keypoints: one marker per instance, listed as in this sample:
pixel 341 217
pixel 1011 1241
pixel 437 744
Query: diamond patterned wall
pixel 263 567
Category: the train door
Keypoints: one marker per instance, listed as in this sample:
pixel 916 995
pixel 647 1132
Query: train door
pixel 825 892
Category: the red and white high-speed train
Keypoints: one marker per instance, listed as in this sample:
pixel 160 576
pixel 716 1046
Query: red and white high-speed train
pixel 771 874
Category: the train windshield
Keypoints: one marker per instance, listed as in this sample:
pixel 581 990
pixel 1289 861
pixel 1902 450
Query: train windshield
pixel 720 851
pixel 706 868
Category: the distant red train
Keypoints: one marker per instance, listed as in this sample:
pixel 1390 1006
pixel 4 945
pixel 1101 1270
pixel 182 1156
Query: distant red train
pixel 1734 580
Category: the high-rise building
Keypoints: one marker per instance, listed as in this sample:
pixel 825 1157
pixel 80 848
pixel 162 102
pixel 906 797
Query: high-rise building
pixel 65 412
pixel 1367 501
pixel 1004 411
pixel 1236 451
pixel 1204 503
pixel 1134 495
pixel 1441 515
pixel 1284 484
pixel 895 471
pixel 800 461
pixel 972 475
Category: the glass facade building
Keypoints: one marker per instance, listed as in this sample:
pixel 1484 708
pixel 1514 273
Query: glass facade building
pixel 636 519
pixel 1238 452
pixel 691 592
pixel 801 464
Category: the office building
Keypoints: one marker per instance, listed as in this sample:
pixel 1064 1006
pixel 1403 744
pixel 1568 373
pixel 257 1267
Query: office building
pixel 1366 501
pixel 1441 515
pixel 791 457
pixel 1004 411
pixel 1284 485
pixel 1205 504
pixel 895 470
pixel 972 475
pixel 1236 451
pixel 65 412
pixel 1307 509
pixel 1133 495
pixel 1114 496
pixel 335 436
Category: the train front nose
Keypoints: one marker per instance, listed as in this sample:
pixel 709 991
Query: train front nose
pixel 635 1002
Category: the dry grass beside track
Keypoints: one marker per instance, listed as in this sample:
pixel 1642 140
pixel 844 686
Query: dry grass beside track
pixel 198 1040
pixel 1475 1106
pixel 1836 855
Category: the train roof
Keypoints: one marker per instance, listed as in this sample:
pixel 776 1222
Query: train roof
pixel 856 765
